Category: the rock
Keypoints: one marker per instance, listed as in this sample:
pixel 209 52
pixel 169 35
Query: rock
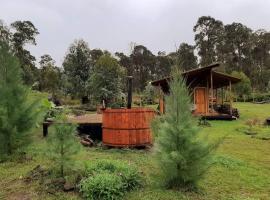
pixel 69 187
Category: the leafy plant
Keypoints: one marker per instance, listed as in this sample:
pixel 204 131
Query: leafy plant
pixel 103 186
pixel 128 175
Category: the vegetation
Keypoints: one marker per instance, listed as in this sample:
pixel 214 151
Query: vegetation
pixel 78 68
pixel 62 145
pixel 109 179
pixel 242 89
pixel 182 156
pixel 18 113
pixel 50 75
pixel 106 82
pixel 237 172
pixel 149 94
pixel 240 166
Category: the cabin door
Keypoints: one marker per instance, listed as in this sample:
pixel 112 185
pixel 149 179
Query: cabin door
pixel 200 100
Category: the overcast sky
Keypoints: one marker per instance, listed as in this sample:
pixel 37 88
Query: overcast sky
pixel 114 24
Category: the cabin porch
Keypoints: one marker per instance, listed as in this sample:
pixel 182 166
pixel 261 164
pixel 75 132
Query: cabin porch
pixel 211 93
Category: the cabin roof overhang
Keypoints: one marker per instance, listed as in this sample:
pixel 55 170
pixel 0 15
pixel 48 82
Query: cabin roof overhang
pixel 196 76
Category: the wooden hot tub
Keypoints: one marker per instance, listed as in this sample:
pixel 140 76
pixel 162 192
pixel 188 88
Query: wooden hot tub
pixel 127 127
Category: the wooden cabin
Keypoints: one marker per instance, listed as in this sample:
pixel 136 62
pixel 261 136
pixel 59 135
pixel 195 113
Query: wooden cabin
pixel 207 87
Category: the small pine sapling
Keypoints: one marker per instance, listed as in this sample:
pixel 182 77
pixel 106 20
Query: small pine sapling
pixel 182 156
pixel 62 145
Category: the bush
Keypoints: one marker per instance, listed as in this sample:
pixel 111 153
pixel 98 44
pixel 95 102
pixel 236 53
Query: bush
pixel 130 175
pixel 257 97
pixel 94 186
pixel 103 186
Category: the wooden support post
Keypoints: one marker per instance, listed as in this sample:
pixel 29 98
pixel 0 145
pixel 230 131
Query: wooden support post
pixel 230 86
pixel 222 95
pixel 207 96
pixel 129 99
pixel 216 96
pixel 161 101
pixel 212 92
pixel 45 128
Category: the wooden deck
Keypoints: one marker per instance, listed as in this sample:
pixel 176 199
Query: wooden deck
pixel 86 119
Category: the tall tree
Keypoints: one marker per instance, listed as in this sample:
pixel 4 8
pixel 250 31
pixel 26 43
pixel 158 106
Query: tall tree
pixel 126 62
pixel 106 81
pixel 96 54
pixel 237 48
pixel 18 114
pixel 4 32
pixel 261 60
pixel 78 67
pixel 50 76
pixel 208 39
pixel 187 57
pixel 24 32
pixel 242 89
pixel 143 63
pixel 163 65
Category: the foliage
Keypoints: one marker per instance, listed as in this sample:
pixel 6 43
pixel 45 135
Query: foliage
pixel 183 158
pixel 49 74
pixel 143 64
pixel 78 68
pixel 25 33
pixel 208 39
pixel 103 186
pixel 242 89
pixel 237 166
pixel 130 175
pixel 62 145
pixel 106 80
pixel 149 94
pixel 120 178
pixel 187 57
pixel 18 113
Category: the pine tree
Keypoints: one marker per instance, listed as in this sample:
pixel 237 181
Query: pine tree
pixel 182 156
pixel 62 145
pixel 18 113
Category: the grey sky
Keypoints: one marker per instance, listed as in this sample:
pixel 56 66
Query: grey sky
pixel 114 24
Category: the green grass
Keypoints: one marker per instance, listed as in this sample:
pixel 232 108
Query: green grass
pixel 240 171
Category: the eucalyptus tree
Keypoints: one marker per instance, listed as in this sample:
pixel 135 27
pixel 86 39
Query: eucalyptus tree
pixel 23 33
pixel 186 56
pixel 208 39
pixel 50 75
pixel 78 66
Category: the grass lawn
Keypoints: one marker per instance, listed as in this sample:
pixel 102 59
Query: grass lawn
pixel 241 169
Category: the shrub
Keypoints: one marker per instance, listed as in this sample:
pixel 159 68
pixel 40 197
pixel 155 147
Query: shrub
pixel 129 174
pixel 97 172
pixel 103 186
